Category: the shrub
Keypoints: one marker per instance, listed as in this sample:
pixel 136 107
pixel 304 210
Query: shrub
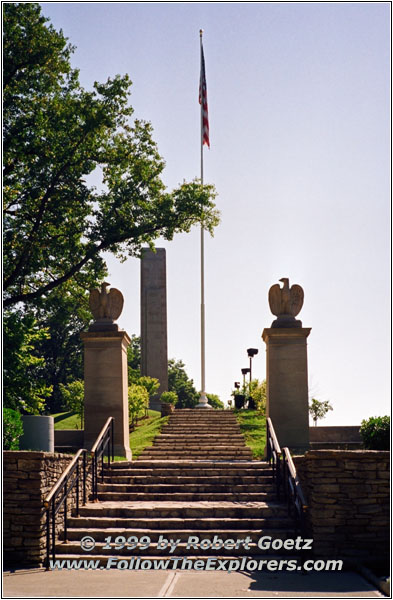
pixel 168 398
pixel 138 400
pixel 375 433
pixel 12 429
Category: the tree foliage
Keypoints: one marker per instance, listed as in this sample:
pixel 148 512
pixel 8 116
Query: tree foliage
pixel 257 391
pixel 215 401
pixel 318 409
pixel 138 401
pixel 375 433
pixel 55 224
pixel 168 398
pixel 73 396
pixel 55 134
pixel 12 429
pixel 179 382
pixel 25 386
pixel 134 359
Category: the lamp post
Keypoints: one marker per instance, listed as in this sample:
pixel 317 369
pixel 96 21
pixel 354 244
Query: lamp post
pixel 251 353
pixel 244 372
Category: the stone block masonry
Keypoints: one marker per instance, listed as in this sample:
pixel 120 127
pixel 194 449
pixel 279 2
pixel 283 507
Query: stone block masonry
pixel 154 344
pixel 348 494
pixel 28 478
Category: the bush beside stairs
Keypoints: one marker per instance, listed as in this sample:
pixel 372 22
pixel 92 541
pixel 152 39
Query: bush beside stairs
pixel 198 479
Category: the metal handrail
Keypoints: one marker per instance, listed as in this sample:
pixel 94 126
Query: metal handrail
pixel 70 479
pixel 293 491
pixel 58 496
pixel 105 441
pixel 274 454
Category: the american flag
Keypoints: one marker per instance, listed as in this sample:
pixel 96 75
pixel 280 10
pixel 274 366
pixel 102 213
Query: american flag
pixel 203 102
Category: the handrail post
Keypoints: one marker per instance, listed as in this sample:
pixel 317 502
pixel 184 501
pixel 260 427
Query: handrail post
pixel 65 511
pixel 94 476
pixel 113 439
pixel 47 538
pixel 84 477
pixel 53 530
pixel 77 489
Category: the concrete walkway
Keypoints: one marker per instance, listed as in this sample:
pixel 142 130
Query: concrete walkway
pixel 112 583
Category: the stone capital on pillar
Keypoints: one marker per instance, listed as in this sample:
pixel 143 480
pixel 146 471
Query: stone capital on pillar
pixel 106 386
pixel 287 384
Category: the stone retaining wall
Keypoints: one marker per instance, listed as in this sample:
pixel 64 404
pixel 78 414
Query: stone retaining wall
pixel 335 433
pixel 69 437
pixel 348 497
pixel 28 478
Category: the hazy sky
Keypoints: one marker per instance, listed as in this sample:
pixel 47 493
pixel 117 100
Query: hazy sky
pixel 300 155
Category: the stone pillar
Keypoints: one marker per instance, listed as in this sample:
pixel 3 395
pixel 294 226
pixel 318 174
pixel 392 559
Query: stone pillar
pixel 106 387
pixel 154 345
pixel 287 384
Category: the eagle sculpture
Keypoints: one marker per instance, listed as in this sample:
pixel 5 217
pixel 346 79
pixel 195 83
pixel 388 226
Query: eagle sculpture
pixel 286 302
pixel 106 305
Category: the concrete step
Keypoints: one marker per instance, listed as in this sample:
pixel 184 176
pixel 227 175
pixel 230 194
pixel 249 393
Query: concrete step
pixel 188 479
pixel 238 547
pixel 219 430
pixel 194 445
pixel 198 455
pixel 100 534
pixel 200 439
pixel 202 450
pixel 185 496
pixel 180 468
pixel 204 524
pixel 185 488
pixel 225 509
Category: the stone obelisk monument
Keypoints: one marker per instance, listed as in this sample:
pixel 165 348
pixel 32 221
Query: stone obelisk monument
pixel 154 344
pixel 105 370
pixel 286 367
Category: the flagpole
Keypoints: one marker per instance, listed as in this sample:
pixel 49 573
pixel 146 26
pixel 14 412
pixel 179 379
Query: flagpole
pixel 203 402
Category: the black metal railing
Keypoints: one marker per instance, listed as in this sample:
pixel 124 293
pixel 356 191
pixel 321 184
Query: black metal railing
pixel 73 478
pixel 105 442
pixel 285 477
pixel 297 505
pixel 274 455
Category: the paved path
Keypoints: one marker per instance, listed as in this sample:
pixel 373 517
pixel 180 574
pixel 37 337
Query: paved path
pixel 37 583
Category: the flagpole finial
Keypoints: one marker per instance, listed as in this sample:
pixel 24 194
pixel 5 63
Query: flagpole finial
pixel 201 32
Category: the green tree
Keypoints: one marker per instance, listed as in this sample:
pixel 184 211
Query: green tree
pixel 12 429
pixel 215 401
pixel 25 388
pixel 138 400
pixel 134 359
pixel 55 134
pixel 65 314
pixel 168 398
pixel 257 391
pixel 179 382
pixel 318 409
pixel 375 433
pixel 73 396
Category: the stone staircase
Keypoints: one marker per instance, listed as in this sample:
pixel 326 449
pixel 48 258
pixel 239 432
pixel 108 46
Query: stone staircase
pixel 198 480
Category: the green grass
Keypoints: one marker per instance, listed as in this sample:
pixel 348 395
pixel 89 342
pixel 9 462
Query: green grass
pixel 67 420
pixel 143 435
pixel 253 426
